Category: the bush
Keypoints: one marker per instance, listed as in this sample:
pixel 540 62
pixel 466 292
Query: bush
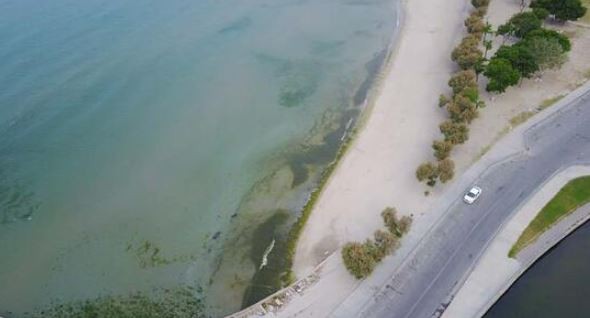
pixel 462 80
pixel 397 226
pixel 481 11
pixel 456 133
pixel 480 3
pixel 467 54
pixel 442 149
pixel 446 170
pixel 385 243
pixel 462 109
pixel 427 171
pixel 474 23
pixel 404 224
pixel 442 100
pixel 359 259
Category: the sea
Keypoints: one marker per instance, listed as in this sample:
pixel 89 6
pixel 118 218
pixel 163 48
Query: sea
pixel 154 154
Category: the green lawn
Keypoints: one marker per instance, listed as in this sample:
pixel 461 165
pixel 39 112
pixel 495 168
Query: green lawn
pixel 573 195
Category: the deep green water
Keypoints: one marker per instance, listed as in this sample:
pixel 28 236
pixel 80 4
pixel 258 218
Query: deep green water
pixel 557 285
pixel 150 149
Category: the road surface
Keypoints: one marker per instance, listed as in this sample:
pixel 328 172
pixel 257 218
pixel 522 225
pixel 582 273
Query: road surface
pixel 426 282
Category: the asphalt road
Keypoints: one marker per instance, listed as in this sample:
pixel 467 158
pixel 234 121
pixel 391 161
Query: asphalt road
pixel 425 284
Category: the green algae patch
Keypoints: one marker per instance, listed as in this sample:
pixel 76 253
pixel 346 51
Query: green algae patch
pixel 572 196
pixel 149 255
pixel 268 253
pixel 180 302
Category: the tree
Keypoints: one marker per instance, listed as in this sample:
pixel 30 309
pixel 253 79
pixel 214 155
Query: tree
pixel 404 224
pixel 541 13
pixel 442 149
pixel 467 54
pixel 474 23
pixel 481 11
pixel 547 52
pixel 397 226
pixel 427 171
pixel 506 29
pixel 456 133
pixel 462 80
pixel 487 43
pixel 562 9
pixel 389 216
pixel 520 57
pixel 501 74
pixel 385 243
pixel 520 24
pixel 462 108
pixel 446 170
pixel 442 100
pixel 480 3
pixel 563 40
pixel 358 258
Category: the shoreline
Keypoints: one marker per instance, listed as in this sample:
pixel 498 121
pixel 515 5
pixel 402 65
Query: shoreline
pixel 402 114
pixel 351 132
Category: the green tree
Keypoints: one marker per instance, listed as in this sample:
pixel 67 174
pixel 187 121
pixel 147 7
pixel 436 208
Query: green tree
pixel 562 9
pixel 541 13
pixel 456 133
pixel 501 74
pixel 520 58
pixel 506 29
pixel 520 24
pixel 563 40
pixel 442 149
pixel 547 52
pixel 462 80
pixel 446 170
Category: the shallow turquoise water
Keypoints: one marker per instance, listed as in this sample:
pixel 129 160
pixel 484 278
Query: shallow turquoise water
pixel 141 141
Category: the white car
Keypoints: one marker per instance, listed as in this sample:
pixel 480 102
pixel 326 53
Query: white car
pixel 472 195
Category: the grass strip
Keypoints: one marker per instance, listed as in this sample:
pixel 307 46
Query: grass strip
pixel 573 195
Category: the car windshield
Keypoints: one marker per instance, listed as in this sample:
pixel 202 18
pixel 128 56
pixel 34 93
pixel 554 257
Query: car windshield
pixel 471 194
